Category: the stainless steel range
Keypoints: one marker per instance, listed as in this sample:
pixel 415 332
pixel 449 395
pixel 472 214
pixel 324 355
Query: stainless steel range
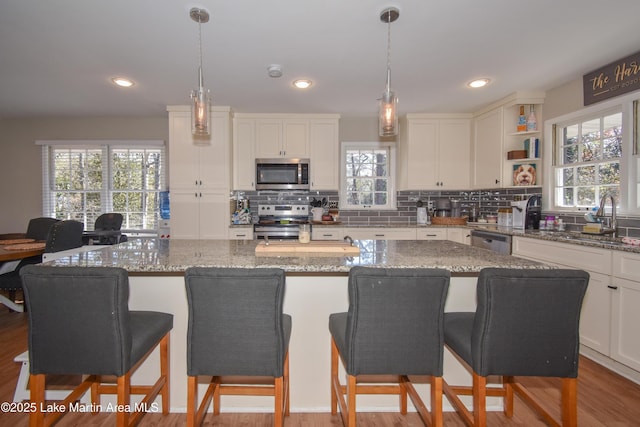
pixel 281 221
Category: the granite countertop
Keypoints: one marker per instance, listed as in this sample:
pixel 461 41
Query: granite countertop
pixel 173 256
pixel 571 237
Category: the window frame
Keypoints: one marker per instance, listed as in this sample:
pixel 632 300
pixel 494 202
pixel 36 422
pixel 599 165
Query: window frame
pixel 107 190
pixel 390 147
pixel 629 163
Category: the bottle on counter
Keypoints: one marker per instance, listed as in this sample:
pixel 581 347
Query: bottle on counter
pixel 532 122
pixel 522 120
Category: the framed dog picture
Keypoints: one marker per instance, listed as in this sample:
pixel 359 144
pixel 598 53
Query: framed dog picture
pixel 524 174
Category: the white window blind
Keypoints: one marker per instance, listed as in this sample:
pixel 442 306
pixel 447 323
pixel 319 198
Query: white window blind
pixel 83 179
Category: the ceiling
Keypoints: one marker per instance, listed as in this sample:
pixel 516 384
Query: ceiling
pixel 57 57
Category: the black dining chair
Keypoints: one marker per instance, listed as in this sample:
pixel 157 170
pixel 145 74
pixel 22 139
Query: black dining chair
pixel 394 327
pixel 106 230
pixel 80 324
pixel 38 228
pixel 61 235
pixel 526 324
pixel 236 328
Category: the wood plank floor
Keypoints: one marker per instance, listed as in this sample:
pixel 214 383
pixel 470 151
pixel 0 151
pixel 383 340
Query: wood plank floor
pixel 604 398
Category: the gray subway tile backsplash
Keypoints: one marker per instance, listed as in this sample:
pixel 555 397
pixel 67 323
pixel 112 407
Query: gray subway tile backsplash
pixel 488 201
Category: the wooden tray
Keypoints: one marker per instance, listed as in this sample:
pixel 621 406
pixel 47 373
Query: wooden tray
pixel 315 248
pixel 446 220
pixel 326 222
pixel 15 241
pixel 25 246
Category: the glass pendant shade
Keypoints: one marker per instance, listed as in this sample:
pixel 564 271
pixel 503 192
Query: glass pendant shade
pixel 200 109
pixel 388 114
pixel 388 103
pixel 200 97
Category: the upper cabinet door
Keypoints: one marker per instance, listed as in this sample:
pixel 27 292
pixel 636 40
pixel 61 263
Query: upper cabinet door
pixel 454 153
pixel 202 163
pixel 324 154
pixel 435 154
pixel 244 165
pixel 295 142
pixel 422 154
pixel 487 149
pixel 268 142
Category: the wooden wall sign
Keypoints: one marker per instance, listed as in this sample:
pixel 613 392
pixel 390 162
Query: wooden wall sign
pixel 617 78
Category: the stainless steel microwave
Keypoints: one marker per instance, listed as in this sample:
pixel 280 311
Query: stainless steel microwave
pixel 282 174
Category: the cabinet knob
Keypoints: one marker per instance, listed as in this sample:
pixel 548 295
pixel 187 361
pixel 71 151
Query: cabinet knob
pixel 497 181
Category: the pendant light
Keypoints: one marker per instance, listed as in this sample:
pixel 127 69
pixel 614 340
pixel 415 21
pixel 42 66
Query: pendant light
pixel 200 97
pixel 388 104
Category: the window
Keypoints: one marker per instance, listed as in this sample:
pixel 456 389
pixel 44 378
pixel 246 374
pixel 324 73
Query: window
pixel 588 155
pixel 81 181
pixel 368 169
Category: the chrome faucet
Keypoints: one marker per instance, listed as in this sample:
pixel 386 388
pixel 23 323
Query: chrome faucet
pixel 611 224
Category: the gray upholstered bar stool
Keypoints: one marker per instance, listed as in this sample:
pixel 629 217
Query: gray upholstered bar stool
pixel 394 327
pixel 237 329
pixel 80 324
pixel 526 324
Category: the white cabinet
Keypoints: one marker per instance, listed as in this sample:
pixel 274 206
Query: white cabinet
pixel 595 319
pixel 625 345
pixel 198 162
pixel 241 233
pixel 199 215
pixel 200 176
pixel 308 136
pixel 429 233
pixel 487 150
pixel 435 153
pixel 282 138
pixel 495 134
pixel 328 233
pixel 324 149
pixel 459 235
pixel 382 233
pixel 244 164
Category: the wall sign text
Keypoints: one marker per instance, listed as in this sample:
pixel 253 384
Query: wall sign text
pixel 617 78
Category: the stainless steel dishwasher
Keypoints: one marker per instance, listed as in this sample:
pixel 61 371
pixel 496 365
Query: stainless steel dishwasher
pixel 496 242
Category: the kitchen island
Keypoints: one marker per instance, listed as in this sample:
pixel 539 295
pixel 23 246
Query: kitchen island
pixel 316 286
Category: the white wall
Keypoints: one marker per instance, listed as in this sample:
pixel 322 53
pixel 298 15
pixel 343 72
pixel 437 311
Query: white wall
pixel 20 158
pixel 21 164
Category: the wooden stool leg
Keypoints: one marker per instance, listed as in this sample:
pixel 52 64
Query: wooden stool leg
pixel 278 418
pixel 569 402
pixel 192 400
pixel 403 395
pixel 164 372
pixel 334 375
pixel 216 396
pixel 479 401
pixel 508 396
pixel 436 402
pixel 351 400
pixel 286 386
pixel 124 399
pixel 37 386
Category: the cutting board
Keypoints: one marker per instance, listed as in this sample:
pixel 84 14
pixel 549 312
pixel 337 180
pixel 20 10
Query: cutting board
pixel 315 247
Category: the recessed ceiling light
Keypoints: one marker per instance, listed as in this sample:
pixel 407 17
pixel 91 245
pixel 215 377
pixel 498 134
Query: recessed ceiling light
pixel 302 83
pixel 122 81
pixel 478 83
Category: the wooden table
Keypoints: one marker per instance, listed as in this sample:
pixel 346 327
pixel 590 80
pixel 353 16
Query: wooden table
pixel 11 255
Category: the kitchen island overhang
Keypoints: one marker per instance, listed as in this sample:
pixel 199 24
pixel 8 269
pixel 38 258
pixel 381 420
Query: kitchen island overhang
pixel 315 288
